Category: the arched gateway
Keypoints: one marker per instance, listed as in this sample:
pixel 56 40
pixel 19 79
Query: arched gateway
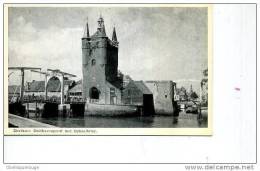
pixel 94 93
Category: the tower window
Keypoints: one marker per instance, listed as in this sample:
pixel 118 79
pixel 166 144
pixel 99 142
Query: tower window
pixel 93 62
pixel 90 52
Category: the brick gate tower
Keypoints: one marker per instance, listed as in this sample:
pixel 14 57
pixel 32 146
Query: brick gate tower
pixel 101 82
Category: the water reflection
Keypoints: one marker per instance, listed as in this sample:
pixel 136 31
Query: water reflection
pixel 184 121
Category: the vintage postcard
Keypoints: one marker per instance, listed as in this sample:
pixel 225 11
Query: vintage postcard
pixel 107 69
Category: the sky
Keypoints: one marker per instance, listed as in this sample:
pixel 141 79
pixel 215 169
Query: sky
pixel 166 43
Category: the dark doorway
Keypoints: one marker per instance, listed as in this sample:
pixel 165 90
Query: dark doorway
pixel 94 93
pixel 148 106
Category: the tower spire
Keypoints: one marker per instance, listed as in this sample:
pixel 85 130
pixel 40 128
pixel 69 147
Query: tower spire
pixel 86 32
pixel 114 38
pixel 191 90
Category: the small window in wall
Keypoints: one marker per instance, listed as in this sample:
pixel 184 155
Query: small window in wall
pixel 93 62
pixel 112 96
pixel 165 96
pixel 112 91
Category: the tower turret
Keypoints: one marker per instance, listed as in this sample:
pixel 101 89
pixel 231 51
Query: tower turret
pixel 86 31
pixel 114 38
pixel 101 27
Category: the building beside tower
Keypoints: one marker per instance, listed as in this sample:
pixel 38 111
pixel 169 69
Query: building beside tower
pixel 101 81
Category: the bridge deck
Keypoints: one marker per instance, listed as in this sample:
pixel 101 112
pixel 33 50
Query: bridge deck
pixel 53 101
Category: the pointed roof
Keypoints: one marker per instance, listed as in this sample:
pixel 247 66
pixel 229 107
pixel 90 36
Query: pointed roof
pixel 114 38
pixel 140 86
pixel 86 31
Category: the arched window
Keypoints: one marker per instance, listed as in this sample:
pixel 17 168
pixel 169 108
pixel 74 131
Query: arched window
pixel 93 62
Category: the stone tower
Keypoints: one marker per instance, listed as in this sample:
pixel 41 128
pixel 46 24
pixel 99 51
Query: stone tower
pixel 100 83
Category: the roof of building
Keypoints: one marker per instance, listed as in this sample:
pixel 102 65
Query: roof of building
pixel 160 81
pixel 79 81
pixel 180 92
pixel 53 85
pixel 77 88
pixel 142 87
pixel 39 86
pixel 35 86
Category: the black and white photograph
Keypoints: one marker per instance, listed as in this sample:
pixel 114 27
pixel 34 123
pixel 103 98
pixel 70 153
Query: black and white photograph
pixel 131 84
pixel 109 67
pixel 158 85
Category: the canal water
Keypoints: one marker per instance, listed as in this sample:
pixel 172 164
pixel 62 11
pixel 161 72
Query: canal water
pixel 184 121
